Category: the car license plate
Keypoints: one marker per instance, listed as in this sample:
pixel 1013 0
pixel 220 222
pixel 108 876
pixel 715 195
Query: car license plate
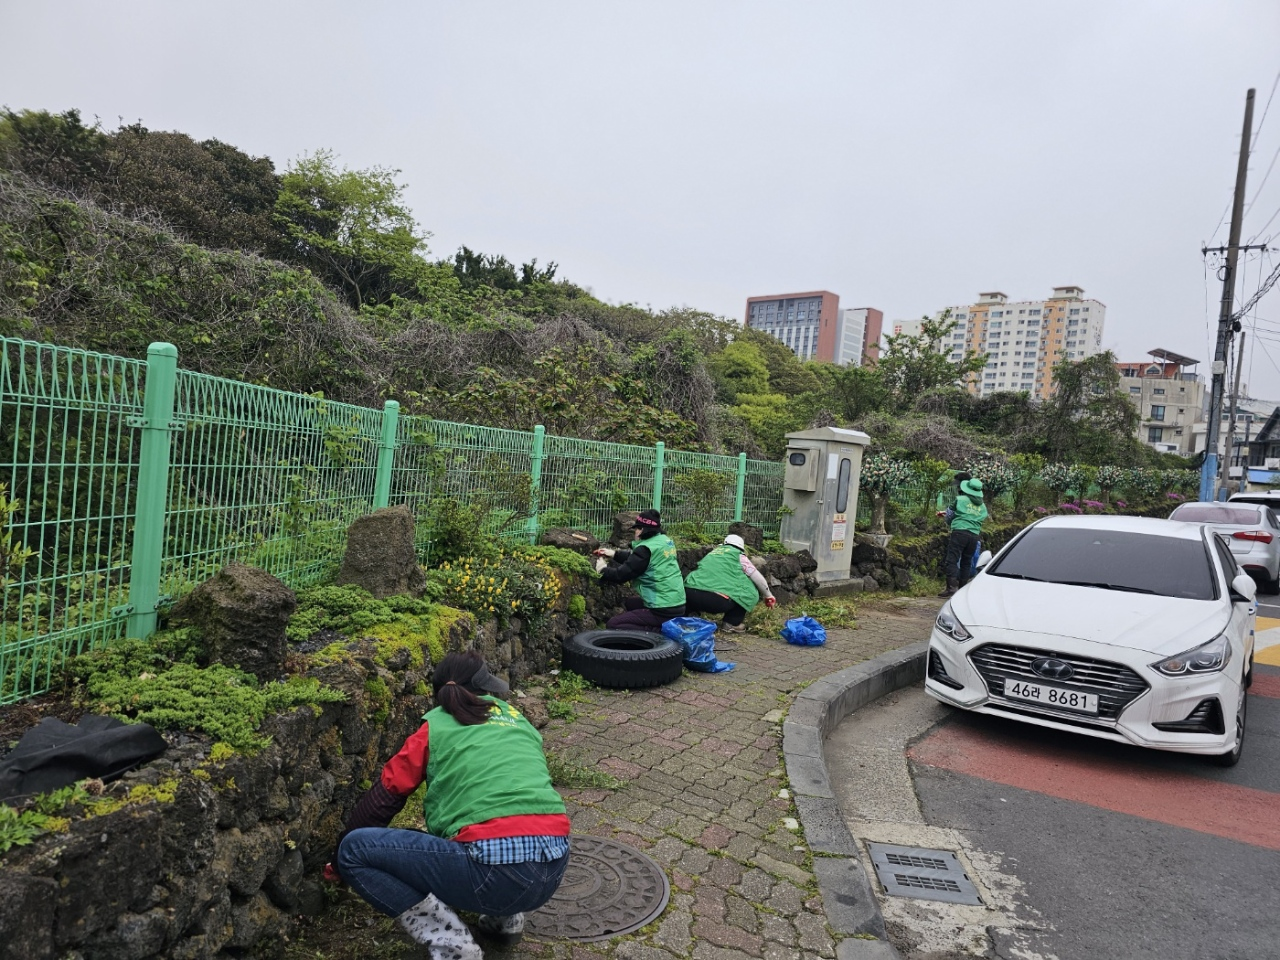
pixel 1051 696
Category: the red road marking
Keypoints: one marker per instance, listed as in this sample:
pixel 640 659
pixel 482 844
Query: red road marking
pixel 1265 685
pixel 1178 799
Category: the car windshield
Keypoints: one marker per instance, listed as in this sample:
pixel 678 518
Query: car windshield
pixel 1217 513
pixel 1111 560
pixel 1272 502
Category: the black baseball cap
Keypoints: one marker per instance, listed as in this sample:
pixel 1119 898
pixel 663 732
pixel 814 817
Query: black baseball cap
pixel 482 679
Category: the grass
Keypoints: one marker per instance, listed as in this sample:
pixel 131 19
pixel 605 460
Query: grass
pixel 565 690
pixel 572 774
pixel 831 612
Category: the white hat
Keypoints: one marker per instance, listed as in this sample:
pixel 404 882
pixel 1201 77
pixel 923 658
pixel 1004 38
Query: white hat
pixel 734 540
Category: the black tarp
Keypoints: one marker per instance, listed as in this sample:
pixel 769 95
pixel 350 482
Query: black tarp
pixel 55 754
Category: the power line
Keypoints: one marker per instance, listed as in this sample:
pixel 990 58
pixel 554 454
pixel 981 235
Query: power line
pixel 1265 225
pixel 1270 167
pixel 1258 131
pixel 1258 294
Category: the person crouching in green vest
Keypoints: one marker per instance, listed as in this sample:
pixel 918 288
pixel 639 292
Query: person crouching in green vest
pixel 651 563
pixel 497 839
pixel 726 581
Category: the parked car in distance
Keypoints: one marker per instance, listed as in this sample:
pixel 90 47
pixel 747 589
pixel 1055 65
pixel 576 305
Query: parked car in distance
pixel 1266 498
pixel 1131 629
pixel 1251 531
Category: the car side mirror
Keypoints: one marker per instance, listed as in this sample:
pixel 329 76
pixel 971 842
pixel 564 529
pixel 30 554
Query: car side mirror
pixel 984 558
pixel 1243 589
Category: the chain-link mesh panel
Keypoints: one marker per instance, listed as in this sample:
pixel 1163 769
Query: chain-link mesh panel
pixel 462 483
pixel 268 478
pixel 699 491
pixel 762 496
pixel 68 468
pixel 585 482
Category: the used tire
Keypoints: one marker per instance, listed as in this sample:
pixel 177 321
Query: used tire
pixel 629 659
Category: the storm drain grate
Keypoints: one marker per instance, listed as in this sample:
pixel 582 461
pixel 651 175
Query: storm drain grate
pixel 910 860
pixel 921 873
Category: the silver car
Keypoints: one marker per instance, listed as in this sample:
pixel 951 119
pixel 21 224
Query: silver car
pixel 1249 529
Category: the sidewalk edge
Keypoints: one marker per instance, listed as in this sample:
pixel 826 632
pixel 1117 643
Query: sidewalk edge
pixel 847 897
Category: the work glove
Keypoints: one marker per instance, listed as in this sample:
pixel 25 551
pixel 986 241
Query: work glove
pixel 331 874
pixel 605 552
pixel 770 602
pixel 601 563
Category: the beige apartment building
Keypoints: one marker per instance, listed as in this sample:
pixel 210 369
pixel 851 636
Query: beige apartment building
pixel 1170 401
pixel 1022 339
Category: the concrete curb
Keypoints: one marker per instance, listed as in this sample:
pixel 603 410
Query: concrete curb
pixel 847 897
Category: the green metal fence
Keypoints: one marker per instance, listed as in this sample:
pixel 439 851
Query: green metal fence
pixel 134 481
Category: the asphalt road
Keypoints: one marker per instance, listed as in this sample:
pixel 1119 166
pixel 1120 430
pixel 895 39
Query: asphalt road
pixel 1118 852
pixel 1269 606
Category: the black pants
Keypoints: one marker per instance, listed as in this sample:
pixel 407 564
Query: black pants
pixel 960 547
pixel 704 601
pixel 640 617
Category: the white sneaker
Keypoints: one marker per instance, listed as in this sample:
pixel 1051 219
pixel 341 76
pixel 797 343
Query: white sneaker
pixel 505 929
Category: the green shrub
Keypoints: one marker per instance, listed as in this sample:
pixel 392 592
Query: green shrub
pixel 126 681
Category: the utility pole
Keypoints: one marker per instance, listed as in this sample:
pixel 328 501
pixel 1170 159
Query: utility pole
pixel 1209 472
pixel 1231 426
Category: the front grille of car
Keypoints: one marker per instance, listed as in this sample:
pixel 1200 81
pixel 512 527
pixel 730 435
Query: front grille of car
pixel 1115 684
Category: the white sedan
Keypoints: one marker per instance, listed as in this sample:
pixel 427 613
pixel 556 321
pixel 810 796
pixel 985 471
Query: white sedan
pixel 1131 629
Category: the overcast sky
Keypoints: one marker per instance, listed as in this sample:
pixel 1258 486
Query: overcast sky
pixel 905 155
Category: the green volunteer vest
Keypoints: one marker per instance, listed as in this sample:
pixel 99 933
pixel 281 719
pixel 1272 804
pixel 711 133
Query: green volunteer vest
pixel 720 571
pixel 661 584
pixel 486 770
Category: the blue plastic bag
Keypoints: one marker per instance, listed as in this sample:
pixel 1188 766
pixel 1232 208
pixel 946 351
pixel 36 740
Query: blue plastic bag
pixel 697 636
pixel 804 631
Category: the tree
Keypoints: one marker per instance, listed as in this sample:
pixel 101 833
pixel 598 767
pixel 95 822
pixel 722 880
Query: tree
pixel 770 417
pixel 216 195
pixel 738 369
pixel 57 148
pixel 880 476
pixel 1088 419
pixel 351 227
pixel 913 365
pixel 847 393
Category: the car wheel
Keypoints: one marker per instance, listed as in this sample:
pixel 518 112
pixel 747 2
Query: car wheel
pixel 1271 586
pixel 1232 756
pixel 629 659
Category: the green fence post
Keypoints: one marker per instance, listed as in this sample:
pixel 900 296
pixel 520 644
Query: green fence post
pixel 659 455
pixel 535 480
pixel 742 487
pixel 386 454
pixel 153 488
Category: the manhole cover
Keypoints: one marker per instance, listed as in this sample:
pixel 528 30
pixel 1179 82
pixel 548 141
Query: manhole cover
pixel 608 889
pixel 922 873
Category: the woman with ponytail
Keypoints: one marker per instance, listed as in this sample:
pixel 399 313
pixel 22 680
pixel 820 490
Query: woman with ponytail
pixel 497 839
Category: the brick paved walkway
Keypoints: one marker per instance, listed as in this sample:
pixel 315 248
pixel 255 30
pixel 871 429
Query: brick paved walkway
pixel 702 761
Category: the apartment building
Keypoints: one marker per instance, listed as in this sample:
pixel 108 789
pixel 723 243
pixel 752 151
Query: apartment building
pixel 858 337
pixel 805 322
pixel 1170 401
pixel 814 327
pixel 1022 339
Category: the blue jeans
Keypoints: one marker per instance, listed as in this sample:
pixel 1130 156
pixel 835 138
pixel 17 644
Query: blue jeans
pixel 394 869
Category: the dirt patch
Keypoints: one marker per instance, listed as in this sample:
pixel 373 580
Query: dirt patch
pixel 17 718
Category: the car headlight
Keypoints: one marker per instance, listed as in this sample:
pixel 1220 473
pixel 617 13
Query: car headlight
pixel 1210 657
pixel 950 624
